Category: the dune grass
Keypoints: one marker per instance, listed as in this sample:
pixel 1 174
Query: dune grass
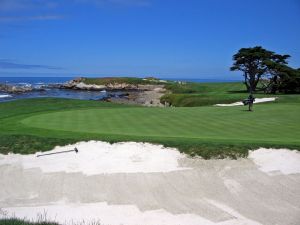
pixel 13 221
pixel 34 125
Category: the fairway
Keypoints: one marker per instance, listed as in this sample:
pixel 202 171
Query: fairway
pixel 269 123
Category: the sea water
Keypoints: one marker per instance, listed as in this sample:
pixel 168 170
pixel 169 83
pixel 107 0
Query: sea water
pixel 41 83
pixel 38 82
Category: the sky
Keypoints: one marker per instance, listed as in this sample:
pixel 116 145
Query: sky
pixel 162 38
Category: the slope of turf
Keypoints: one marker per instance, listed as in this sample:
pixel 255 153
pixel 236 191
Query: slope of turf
pixel 31 125
pixel 205 123
pixel 203 94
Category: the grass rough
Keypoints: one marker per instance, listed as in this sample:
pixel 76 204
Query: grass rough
pixel 31 125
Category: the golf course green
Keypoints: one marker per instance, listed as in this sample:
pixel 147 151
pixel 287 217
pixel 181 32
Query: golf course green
pixel 205 123
pixel 31 125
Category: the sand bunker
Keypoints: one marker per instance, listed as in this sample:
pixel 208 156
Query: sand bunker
pixel 139 183
pixel 121 215
pixel 257 100
pixel 96 157
pixel 276 160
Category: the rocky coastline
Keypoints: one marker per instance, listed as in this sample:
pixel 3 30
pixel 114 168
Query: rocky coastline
pixel 79 84
pixel 135 94
pixel 16 89
pixel 117 92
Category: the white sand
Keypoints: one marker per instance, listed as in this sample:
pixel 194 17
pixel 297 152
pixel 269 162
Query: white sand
pixel 257 100
pixel 96 157
pixel 139 183
pixel 105 214
pixel 272 160
pixel 5 96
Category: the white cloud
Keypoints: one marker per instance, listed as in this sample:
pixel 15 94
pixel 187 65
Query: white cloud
pixel 21 5
pixel 9 64
pixel 136 3
pixel 4 19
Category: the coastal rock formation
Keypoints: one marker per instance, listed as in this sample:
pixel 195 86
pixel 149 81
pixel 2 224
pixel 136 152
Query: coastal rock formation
pixel 148 97
pixel 15 89
pixel 140 94
pixel 78 84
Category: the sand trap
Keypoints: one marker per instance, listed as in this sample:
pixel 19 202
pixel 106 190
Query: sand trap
pixel 96 157
pixel 257 100
pixel 5 96
pixel 276 160
pixel 105 214
pixel 139 183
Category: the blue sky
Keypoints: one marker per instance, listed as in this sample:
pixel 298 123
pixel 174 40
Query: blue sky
pixel 165 38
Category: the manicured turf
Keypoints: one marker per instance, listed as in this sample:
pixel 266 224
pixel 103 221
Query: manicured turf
pixel 31 125
pixel 204 94
pixel 206 123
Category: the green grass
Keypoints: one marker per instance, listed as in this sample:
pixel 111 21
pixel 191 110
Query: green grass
pixel 203 94
pixel 14 137
pixel 120 80
pixel 15 221
pixel 34 125
pixel 23 222
pixel 215 124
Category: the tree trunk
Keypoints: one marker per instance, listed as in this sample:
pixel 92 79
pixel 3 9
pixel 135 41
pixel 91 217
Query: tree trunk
pixel 274 85
pixel 246 82
pixel 252 83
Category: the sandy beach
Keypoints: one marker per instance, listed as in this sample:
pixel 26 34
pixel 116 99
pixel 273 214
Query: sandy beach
pixel 139 183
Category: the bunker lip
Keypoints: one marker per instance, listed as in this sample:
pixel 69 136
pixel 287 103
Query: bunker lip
pixel 136 183
pixel 96 157
pixel 273 161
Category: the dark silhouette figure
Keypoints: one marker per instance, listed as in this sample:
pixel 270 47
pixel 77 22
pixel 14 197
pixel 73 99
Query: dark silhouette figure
pixel 249 101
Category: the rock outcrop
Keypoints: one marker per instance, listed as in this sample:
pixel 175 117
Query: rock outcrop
pixel 15 89
pixel 78 84
pixel 82 86
pixel 141 94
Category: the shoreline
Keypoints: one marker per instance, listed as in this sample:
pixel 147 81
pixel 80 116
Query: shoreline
pixel 124 93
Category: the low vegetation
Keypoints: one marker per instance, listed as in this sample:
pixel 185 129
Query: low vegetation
pixel 120 80
pixel 266 71
pixel 32 125
pixel 23 222
pixel 204 94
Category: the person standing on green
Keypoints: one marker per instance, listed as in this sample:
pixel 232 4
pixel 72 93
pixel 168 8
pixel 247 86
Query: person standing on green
pixel 251 100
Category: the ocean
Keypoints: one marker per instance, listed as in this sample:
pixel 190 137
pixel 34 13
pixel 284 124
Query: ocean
pixel 37 82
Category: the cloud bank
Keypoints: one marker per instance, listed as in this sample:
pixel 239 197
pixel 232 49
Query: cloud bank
pixel 40 10
pixel 7 64
pixel 7 19
pixel 22 5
